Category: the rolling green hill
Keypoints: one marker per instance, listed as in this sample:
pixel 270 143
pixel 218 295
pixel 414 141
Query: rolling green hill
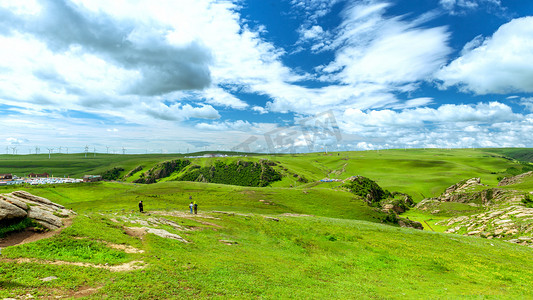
pixel 291 239
pixel 420 173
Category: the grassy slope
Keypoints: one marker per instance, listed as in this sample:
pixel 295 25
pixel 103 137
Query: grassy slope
pixel 420 173
pixel 109 196
pixel 76 165
pixel 310 257
pixel 326 256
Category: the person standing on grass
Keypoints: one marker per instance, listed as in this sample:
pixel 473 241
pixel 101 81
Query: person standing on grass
pixel 195 208
pixel 141 206
pixel 191 206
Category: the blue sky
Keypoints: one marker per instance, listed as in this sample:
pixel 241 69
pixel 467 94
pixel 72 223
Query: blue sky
pixel 265 76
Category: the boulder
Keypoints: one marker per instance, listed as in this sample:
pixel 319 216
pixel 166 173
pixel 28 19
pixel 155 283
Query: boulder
pixel 28 196
pixel 9 211
pixel 164 234
pixel 14 201
pixel 45 218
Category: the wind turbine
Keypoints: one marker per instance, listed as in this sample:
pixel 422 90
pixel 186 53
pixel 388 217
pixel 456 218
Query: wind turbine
pixel 67 149
pixel 123 150
pixel 107 147
pixel 36 150
pixel 59 149
pixel 14 149
pixel 94 151
pixel 50 151
pixel 86 150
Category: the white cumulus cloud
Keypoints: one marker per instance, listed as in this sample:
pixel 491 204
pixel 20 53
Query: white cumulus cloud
pixel 500 64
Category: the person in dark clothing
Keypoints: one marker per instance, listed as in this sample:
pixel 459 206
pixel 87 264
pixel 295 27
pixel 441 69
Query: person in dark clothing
pixel 195 208
pixel 141 206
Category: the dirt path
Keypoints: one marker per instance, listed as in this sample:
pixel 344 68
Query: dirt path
pixel 129 266
pixel 29 235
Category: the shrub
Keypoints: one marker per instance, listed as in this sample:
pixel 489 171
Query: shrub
pixel 130 173
pixel 242 173
pixel 163 170
pixel 368 189
pixel 112 174
pixel 528 202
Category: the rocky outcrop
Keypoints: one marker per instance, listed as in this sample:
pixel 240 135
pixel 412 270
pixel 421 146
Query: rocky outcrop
pixel 514 179
pixel 513 224
pixel 463 186
pixel 469 191
pixel 9 211
pixel 398 203
pixel 21 204
pixel 405 222
pixel 14 201
pixel 159 232
pixel 36 199
pixel 45 218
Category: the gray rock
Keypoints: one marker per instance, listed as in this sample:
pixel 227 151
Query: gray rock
pixel 14 201
pixel 45 218
pixel 500 222
pixel 514 179
pixel 164 234
pixel 28 196
pixel 173 224
pixel 9 211
pixel 49 278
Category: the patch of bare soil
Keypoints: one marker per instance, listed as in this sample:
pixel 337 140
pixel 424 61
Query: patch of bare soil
pixel 83 292
pixel 137 232
pixel 125 248
pixel 129 266
pixel 31 235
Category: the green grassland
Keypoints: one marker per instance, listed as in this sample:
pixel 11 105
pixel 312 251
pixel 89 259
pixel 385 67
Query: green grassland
pixel 332 246
pixel 420 173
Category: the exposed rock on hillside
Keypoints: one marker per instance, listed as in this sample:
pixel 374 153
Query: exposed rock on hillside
pixel 515 179
pixel 398 203
pixel 503 217
pixel 463 186
pixel 405 222
pixel 9 211
pixel 514 224
pixel 469 191
pixel 20 204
